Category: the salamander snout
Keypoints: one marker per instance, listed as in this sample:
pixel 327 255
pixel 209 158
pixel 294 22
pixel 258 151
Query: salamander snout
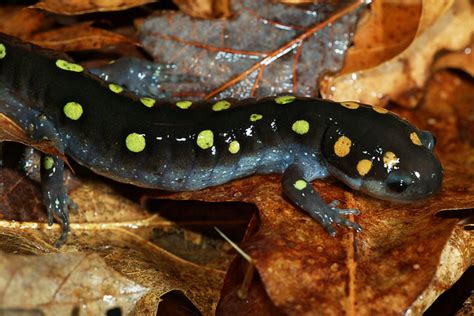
pixel 416 184
pixel 422 179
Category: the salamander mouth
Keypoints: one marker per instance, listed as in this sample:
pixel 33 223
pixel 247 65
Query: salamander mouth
pixel 414 192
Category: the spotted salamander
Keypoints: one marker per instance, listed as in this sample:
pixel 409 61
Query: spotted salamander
pixel 185 145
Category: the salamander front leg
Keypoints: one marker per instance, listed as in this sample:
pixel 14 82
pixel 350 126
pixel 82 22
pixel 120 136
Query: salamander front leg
pixel 55 196
pixel 301 192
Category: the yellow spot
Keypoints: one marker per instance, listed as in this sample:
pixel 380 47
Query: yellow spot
pixel 205 139
pixel 221 105
pixel 115 88
pixel 3 51
pixel 390 160
pixel 65 65
pixel 285 99
pixel 300 127
pixel 73 110
pixel 234 147
pixel 342 146
pixel 414 139
pixel 364 166
pixel 48 163
pixel 300 184
pixel 378 109
pixel 135 142
pixel 255 117
pixel 350 105
pixel 184 104
pixel 148 102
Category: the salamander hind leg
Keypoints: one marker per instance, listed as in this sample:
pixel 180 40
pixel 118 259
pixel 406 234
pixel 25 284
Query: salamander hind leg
pixel 301 192
pixel 55 196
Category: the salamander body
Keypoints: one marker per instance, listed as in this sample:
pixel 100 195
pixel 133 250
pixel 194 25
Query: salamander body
pixel 185 145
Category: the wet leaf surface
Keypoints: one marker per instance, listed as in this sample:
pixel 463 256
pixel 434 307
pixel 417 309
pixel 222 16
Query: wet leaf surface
pixel 277 56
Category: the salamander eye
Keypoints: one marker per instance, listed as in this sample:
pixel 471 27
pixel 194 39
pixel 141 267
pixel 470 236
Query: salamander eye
pixel 397 182
pixel 428 140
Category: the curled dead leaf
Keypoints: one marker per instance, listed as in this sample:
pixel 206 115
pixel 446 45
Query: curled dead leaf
pixel 119 234
pixel 442 26
pixel 75 7
pixel 32 21
pixel 10 131
pixel 205 9
pixel 382 32
pixel 81 36
pixel 456 257
pixel 52 282
pixel 463 60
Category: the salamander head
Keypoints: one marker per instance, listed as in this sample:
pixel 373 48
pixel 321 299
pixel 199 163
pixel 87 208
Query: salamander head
pixel 416 180
pixel 392 161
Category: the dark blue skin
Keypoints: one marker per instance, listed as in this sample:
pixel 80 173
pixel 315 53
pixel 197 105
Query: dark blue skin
pixel 299 138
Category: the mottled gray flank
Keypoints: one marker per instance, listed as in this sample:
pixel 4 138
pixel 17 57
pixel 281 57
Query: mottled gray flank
pixel 215 51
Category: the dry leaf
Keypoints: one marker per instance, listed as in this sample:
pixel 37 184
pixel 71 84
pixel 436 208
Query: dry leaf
pixel 463 60
pixel 456 257
pixel 77 37
pixel 13 204
pixel 442 26
pixel 32 21
pixel 304 270
pixel 119 231
pixel 10 131
pixel 205 8
pixel 51 283
pixel 74 7
pixel 468 307
pixel 383 32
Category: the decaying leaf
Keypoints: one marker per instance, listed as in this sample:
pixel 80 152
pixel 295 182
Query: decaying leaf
pixel 82 36
pixel 13 204
pixel 10 131
pixel 205 8
pixel 50 283
pixel 381 270
pixel 32 21
pixel 468 307
pixel 266 49
pixel 442 26
pixel 383 32
pixel 463 60
pixel 456 257
pixel 119 232
pixel 74 7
